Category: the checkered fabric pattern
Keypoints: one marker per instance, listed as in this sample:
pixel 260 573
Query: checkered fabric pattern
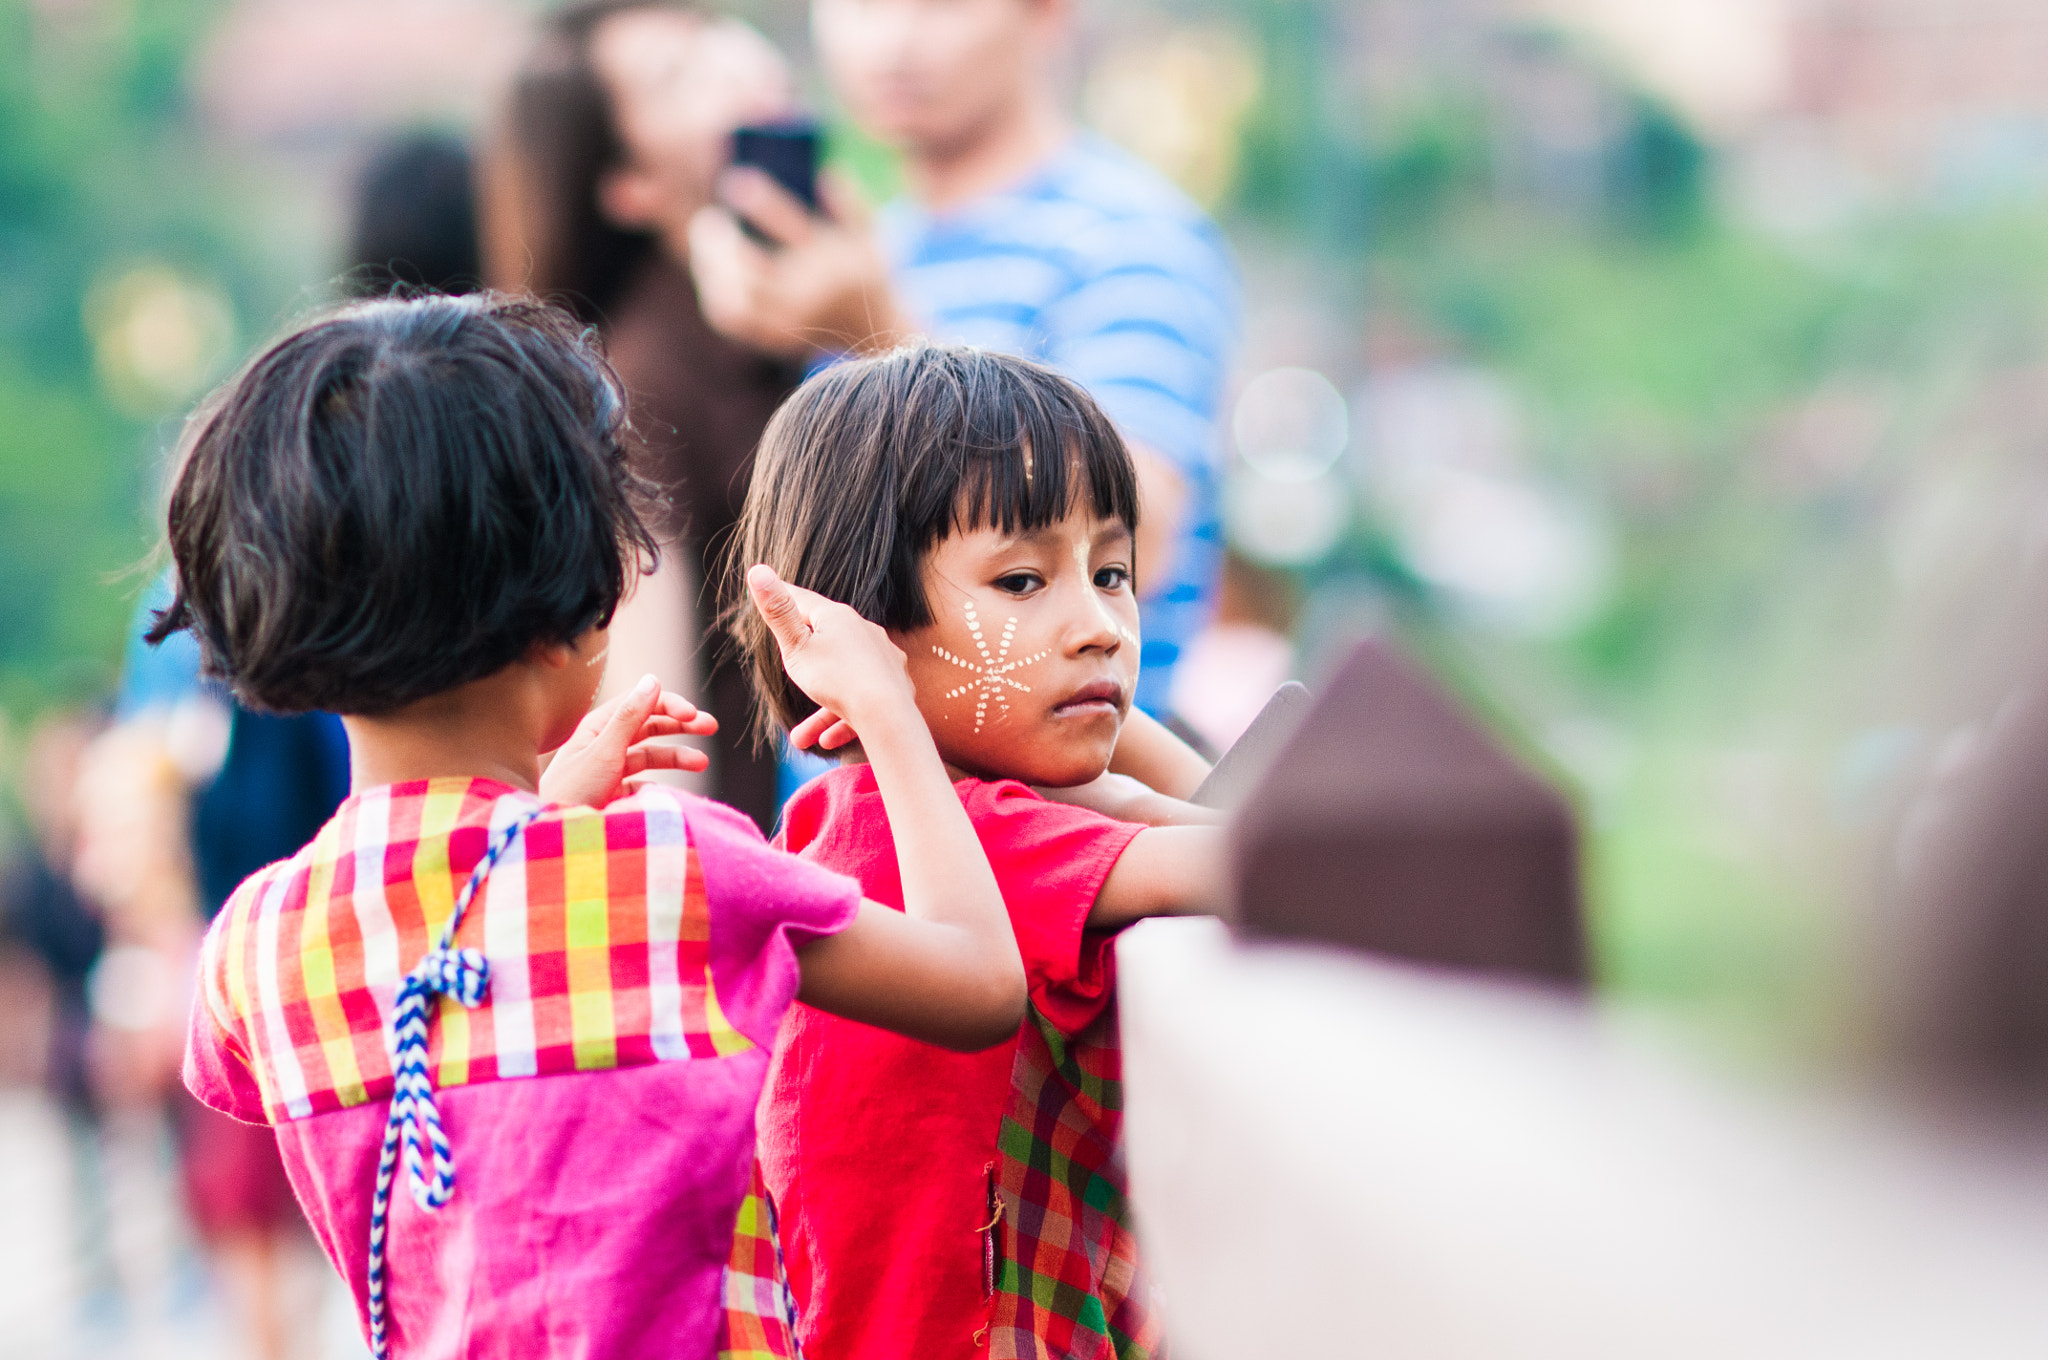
pixel 1068 1284
pixel 595 925
pixel 760 1311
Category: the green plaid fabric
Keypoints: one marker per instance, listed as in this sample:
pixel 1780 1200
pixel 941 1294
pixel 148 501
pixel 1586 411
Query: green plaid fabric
pixel 1067 1281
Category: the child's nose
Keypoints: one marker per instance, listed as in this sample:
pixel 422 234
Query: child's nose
pixel 1096 628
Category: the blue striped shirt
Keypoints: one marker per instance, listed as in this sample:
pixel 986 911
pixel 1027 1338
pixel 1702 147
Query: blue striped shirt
pixel 1098 266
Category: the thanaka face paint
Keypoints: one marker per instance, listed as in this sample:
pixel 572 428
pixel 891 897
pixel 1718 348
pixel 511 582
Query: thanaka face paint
pixel 993 677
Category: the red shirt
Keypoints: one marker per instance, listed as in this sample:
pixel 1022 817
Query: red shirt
pixel 931 1201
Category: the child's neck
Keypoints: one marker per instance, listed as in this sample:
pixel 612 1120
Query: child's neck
pixel 487 729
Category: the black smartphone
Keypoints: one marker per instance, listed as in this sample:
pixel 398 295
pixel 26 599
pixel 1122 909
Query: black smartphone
pixel 786 152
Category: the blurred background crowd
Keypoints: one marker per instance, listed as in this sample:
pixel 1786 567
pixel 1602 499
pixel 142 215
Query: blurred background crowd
pixel 1667 373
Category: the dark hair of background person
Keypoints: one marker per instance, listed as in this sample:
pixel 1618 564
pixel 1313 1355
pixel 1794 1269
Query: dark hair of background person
pixel 559 118
pixel 415 225
pixel 699 399
pixel 870 464
pixel 399 498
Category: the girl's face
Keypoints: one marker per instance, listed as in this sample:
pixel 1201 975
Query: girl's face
pixel 1027 668
pixel 680 83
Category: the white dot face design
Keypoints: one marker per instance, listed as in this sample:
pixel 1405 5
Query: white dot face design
pixel 992 677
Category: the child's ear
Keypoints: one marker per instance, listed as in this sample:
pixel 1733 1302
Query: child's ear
pixel 552 655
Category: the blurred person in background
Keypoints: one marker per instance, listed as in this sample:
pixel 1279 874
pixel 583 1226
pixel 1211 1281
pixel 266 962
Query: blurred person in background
pixel 415 218
pixel 1231 668
pixel 40 911
pixel 1021 234
pixel 43 915
pixel 614 132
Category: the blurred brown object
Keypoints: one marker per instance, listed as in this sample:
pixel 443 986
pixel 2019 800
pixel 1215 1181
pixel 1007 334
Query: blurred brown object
pixel 1392 822
pixel 1964 992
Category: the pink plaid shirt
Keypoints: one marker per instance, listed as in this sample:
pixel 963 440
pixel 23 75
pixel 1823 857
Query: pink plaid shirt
pixel 641 958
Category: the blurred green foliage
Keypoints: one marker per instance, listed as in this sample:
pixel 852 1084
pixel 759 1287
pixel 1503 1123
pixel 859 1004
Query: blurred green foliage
pixel 100 166
pixel 1686 373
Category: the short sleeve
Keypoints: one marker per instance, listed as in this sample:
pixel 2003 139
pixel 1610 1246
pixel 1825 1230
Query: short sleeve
pixel 1148 328
pixel 765 904
pixel 216 1069
pixel 1050 860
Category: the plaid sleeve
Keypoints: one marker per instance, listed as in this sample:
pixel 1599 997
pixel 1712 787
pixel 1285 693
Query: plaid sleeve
pixel 765 904
pixel 217 1070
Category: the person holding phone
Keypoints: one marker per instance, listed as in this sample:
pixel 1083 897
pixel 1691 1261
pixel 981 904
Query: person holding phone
pixel 611 137
pixel 1020 234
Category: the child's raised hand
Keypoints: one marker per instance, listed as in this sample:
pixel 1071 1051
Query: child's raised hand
pixel 845 663
pixel 826 728
pixel 616 741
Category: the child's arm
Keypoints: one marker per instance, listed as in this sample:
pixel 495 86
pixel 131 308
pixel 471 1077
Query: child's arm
pixel 1149 753
pixel 1165 871
pixel 1126 799
pixel 945 969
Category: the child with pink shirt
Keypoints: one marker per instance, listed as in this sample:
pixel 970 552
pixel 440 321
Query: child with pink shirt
pixel 511 1019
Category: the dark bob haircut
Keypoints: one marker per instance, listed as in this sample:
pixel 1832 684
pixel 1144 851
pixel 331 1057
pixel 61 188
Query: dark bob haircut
pixel 399 498
pixel 868 465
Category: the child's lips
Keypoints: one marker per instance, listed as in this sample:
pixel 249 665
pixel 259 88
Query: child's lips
pixel 1103 696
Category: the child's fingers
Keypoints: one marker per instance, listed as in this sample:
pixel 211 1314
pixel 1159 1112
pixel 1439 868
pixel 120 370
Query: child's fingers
pixel 631 710
pixel 776 600
pixel 804 733
pixel 836 736
pixel 701 725
pixel 673 715
pixel 641 759
pixel 674 705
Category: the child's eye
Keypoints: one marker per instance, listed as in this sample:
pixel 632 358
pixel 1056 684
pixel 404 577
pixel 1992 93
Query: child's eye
pixel 1112 578
pixel 1018 582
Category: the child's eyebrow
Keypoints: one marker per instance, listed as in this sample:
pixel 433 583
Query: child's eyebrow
pixel 1048 535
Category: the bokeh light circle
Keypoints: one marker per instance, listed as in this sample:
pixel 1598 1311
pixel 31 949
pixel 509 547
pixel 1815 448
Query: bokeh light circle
pixel 1291 424
pixel 1287 523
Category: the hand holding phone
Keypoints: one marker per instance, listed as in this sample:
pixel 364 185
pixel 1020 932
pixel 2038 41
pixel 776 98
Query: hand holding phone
pixel 787 152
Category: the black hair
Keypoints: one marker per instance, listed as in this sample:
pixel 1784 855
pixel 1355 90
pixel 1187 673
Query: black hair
pixel 559 136
pixel 415 219
pixel 402 497
pixel 870 464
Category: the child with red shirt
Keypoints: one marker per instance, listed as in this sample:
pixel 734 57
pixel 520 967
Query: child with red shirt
pixel 552 996
pixel 939 1206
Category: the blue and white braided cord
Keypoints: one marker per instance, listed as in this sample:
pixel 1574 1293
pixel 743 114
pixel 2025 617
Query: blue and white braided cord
pixel 446 971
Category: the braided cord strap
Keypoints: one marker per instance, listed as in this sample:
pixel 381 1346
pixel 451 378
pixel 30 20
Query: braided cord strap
pixel 446 971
